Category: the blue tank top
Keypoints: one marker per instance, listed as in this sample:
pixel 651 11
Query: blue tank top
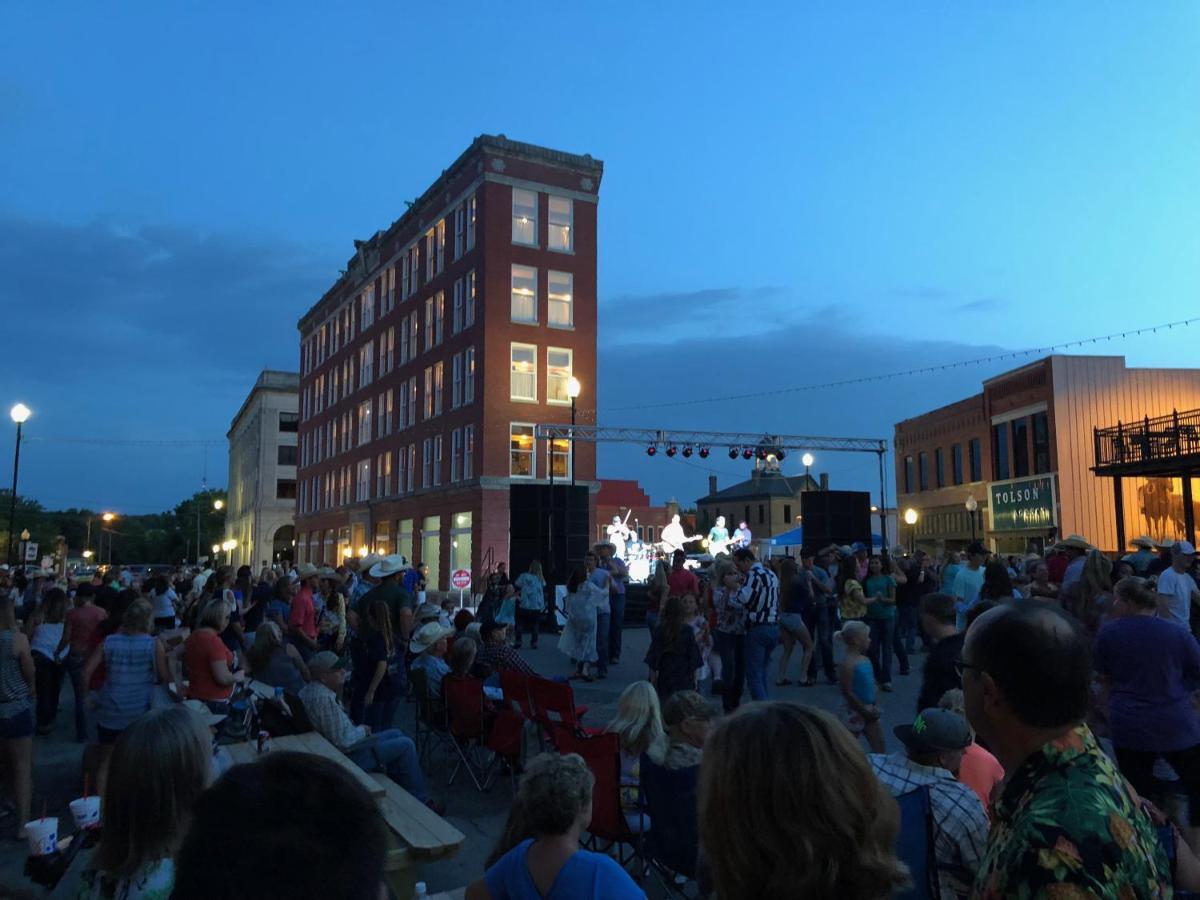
pixel 864 681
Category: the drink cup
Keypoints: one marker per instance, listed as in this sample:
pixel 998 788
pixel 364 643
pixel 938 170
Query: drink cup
pixel 86 811
pixel 42 835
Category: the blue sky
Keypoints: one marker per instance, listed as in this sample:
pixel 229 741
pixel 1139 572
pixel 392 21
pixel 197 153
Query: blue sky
pixel 802 194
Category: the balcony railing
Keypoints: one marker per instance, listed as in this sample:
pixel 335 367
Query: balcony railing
pixel 1150 442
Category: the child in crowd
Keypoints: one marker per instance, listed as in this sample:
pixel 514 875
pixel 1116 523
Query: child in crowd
pixel 859 690
pixel 699 623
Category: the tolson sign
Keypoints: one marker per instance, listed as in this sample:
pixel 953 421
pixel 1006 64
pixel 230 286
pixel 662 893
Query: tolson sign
pixel 1023 504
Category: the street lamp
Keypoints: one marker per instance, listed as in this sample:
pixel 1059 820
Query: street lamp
pixel 574 388
pixel 972 504
pixel 807 459
pixel 910 517
pixel 218 505
pixel 228 547
pixel 19 414
pixel 24 546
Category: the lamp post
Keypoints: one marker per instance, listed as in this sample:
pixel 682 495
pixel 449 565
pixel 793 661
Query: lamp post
pixel 807 459
pixel 24 546
pixel 910 517
pixel 108 519
pixel 20 413
pixel 972 504
pixel 573 390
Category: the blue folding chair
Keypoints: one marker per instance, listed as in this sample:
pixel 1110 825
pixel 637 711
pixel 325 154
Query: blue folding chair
pixel 669 797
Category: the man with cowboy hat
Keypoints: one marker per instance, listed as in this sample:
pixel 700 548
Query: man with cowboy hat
pixel 429 644
pixel 388 572
pixel 1075 548
pixel 1141 559
pixel 302 616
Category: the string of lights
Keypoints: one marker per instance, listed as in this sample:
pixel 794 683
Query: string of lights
pixel 907 373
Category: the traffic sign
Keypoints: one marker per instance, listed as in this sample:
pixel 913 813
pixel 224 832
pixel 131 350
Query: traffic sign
pixel 460 579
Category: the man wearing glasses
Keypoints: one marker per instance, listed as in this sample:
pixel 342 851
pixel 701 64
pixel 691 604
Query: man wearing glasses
pixel 1066 819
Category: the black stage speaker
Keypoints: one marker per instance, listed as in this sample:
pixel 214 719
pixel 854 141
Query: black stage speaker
pixel 549 525
pixel 835 517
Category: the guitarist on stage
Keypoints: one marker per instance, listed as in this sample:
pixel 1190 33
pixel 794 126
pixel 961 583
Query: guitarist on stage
pixel 673 537
pixel 718 538
pixel 618 534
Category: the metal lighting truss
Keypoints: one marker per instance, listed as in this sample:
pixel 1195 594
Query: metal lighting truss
pixel 711 439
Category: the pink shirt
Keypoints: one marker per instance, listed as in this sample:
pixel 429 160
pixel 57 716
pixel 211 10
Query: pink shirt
pixel 303 616
pixel 980 771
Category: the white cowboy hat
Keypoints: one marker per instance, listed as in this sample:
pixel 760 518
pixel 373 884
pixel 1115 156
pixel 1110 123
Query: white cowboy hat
pixel 369 560
pixel 1143 541
pixel 200 708
pixel 389 565
pixel 1074 542
pixel 329 572
pixel 428 635
pixel 306 570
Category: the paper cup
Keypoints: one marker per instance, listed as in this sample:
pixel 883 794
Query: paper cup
pixel 420 597
pixel 86 811
pixel 42 835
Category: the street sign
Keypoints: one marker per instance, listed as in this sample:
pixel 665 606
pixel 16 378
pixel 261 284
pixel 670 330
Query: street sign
pixel 460 579
pixel 31 552
pixel 1023 504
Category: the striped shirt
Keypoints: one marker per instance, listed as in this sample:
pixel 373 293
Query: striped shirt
pixel 14 690
pixel 759 596
pixel 128 680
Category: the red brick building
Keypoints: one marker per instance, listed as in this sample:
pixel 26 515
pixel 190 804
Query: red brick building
pixel 625 498
pixel 425 367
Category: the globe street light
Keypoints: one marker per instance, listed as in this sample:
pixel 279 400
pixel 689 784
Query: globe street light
pixel 218 505
pixel 910 517
pixel 807 459
pixel 972 504
pixel 19 414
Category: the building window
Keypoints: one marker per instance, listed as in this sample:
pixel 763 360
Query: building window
pixel 1041 443
pixel 524 295
pixel 787 513
pixel 762 518
pixel 923 470
pixel 286 455
pixel 469 315
pixel 414 257
pixel 426 462
pixel 975 454
pixel 383 475
pixel 441 246
pixel 414 331
pixel 431 549
pixel 386 408
pixel 366 364
pixel 523 359
pixel 439 383
pixel 469 376
pixel 939 467
pixel 389 289
pixel 524 217
pixel 428 411
pixel 956 466
pixel 521 451
pixel 387 351
pixel 363 487
pixel 471 210
pixel 455 455
pixel 285 489
pixel 429 324
pixel 364 422
pixel 412 400
pixel 401 470
pixel 1020 445
pixel 430 254
pixel 460 230
pixel 456 370
pixel 908 474
pixel 402 421
pixel 460 541
pixel 468 452
pixel 405 292
pixel 289 422
pixel 561 215
pixel 1000 469
pixel 456 322
pixel 559 451
pixel 437 460
pixel 366 307
pixel 560 307
pixel 558 373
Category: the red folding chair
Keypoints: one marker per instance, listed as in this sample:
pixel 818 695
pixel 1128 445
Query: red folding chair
pixel 515 686
pixel 608 829
pixel 554 710
pixel 482 745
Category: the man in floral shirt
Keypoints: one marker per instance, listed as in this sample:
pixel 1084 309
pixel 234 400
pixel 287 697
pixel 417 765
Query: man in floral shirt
pixel 1067 824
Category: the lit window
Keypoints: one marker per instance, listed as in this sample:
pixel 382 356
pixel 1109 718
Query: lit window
pixel 469 315
pixel 412 400
pixel 389 289
pixel 523 358
pixel 456 322
pixel 559 299
pixel 428 414
pixel 366 310
pixel 561 214
pixel 366 363
pixel 363 491
pixel 441 245
pixel 364 422
pixel 412 466
pixel 414 257
pixel 460 231
pixel 471 222
pixel 429 323
pixel 524 217
pixel 559 451
pixel 524 295
pixel 469 376
pixel 521 451
pixel 558 373
pixel 430 253
pixel 456 371
pixel 402 422
pixel 439 316
pixel 439 381
pixel 383 475
pixel 414 330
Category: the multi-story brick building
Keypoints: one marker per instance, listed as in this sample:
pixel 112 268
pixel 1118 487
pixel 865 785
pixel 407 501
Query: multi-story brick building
pixel 1022 451
pixel 424 369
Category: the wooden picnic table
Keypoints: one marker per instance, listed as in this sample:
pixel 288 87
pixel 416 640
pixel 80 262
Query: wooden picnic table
pixel 415 832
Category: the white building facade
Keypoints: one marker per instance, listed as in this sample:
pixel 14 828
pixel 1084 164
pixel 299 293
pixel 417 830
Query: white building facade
pixel 262 472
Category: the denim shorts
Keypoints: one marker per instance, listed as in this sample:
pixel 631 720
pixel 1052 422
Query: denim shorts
pixel 18 726
pixel 791 622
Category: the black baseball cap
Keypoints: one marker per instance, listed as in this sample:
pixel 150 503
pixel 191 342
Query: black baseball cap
pixel 935 730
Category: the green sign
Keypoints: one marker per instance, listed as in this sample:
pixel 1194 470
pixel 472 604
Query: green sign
pixel 1023 504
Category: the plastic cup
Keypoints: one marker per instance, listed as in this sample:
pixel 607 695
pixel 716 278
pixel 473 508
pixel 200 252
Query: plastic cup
pixel 42 835
pixel 86 811
pixel 420 597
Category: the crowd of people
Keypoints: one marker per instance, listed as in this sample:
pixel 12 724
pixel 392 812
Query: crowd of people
pixel 1055 742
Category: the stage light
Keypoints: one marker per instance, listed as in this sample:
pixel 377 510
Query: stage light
pixel 651 450
pixel 762 453
pixel 733 452
pixel 780 454
pixel 687 452
pixel 747 453
pixel 704 453
pixel 671 451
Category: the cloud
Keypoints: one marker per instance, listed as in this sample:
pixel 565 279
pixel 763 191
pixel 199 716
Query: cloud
pixel 984 304
pixel 635 318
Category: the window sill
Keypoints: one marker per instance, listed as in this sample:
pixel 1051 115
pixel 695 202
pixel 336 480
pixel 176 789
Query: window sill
pixel 533 246
pixel 569 252
pixel 533 324
pixel 570 327
pixel 558 402
pixel 522 400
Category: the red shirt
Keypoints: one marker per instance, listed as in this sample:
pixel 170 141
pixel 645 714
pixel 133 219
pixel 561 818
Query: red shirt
pixel 203 647
pixel 683 582
pixel 84 622
pixel 1057 567
pixel 303 614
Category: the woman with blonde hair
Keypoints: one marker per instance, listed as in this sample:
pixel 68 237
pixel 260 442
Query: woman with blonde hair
pixel 159 767
pixel 829 828
pixel 531 603
pixel 208 660
pixel 1092 603
pixel 639 726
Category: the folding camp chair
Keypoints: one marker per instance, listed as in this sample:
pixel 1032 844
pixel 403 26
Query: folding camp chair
pixel 914 845
pixel 554 710
pixel 432 725
pixel 608 830
pixel 670 845
pixel 482 746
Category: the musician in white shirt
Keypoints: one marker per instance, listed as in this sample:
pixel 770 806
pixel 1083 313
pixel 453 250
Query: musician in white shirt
pixel 674 537
pixel 618 534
